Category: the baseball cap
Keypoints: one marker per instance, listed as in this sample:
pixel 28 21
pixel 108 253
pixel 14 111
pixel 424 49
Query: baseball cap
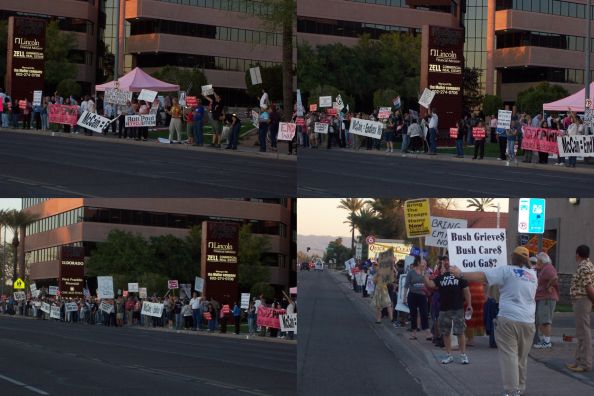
pixel 533 259
pixel 522 251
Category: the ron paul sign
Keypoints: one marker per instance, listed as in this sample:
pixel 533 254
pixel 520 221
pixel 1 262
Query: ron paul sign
pixel 72 271
pixel 220 246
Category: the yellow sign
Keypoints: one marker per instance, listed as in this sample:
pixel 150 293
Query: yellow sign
pixel 417 217
pixel 532 245
pixel 19 284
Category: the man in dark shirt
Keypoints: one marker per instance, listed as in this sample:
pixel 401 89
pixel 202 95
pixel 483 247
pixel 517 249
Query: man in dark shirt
pixel 216 121
pixel 452 294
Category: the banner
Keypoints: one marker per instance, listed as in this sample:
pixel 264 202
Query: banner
pixel 116 96
pixel 400 249
pixel 62 114
pixel 321 127
pixel 45 307
pixel 477 249
pixel 417 218
pixel 142 292
pixel 372 129
pixel 133 287
pixel 53 290
pixel 439 230
pixel 207 90
pixel 141 120
pixel 104 287
pixel 400 306
pixel 37 98
pixel 93 121
pixel 269 317
pixel 147 95
pixel 71 307
pixel 199 284
pixel 106 307
pixel 504 119
pixel 479 133
pixel 325 101
pixel 152 309
pixel 384 113
pixel 286 131
pixel 426 98
pixel 575 146
pixel 20 296
pixel 245 300
pixel 55 312
pixel 540 139
pixel 288 322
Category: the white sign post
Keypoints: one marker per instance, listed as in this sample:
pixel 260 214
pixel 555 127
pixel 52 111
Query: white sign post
pixel 439 230
pixel 105 287
pixel 477 249
pixel 325 101
pixel 504 119
pixel 321 127
pixel 372 129
pixel 245 300
pixel 427 98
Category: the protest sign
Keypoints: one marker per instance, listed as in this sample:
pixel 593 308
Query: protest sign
pixel 325 101
pixel 245 300
pixel 71 307
pixel 199 284
pixel 300 108
pixel 588 117
pixel 36 293
pixel 154 107
pixel 45 307
pixel 142 292
pixel 255 118
pixel 532 245
pixel 141 120
pixel 504 119
pixel 55 312
pixel 453 133
pixel 575 146
pixel 286 131
pixel 360 278
pixel 104 287
pixel 269 317
pixel 399 248
pixel 400 306
pixel 182 98
pixel 477 249
pixel 339 103
pixel 288 322
pixel 384 113
pixel 62 114
pixel 540 139
pixel 321 127
pixel 439 230
pixel 22 104
pixel 396 102
pixel 408 261
pixel 172 284
pixel 93 121
pixel 370 286
pixel 479 133
pixel 207 90
pixel 185 290
pixel 53 290
pixel 133 287
pixel 426 98
pixel 191 101
pixel 37 98
pixel 116 96
pixel 255 75
pixel 417 218
pixel 300 121
pixel 147 95
pixel 152 309
pixel 33 287
pixel 106 307
pixel 414 114
pixel 372 129
pixel 313 107
pixel 332 112
pixel 20 296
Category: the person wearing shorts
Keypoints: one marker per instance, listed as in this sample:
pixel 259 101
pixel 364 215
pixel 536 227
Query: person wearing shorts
pixel 547 295
pixel 453 293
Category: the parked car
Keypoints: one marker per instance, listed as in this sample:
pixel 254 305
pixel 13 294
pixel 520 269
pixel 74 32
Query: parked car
pixel 319 266
pixel 304 267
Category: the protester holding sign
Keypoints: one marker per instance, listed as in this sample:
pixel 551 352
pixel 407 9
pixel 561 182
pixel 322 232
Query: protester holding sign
pixel 415 297
pixel 479 134
pixel 175 123
pixel 263 125
pixel 511 138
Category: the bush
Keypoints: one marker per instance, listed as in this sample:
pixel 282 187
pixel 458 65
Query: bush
pixel 262 288
pixel 69 87
pixel 491 104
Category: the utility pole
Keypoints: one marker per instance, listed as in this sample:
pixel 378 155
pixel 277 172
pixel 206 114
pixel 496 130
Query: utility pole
pixel 588 50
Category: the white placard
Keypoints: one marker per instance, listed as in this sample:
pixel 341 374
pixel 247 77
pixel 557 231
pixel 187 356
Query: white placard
pixel 477 249
pixel 182 98
pixel 372 129
pixel 255 118
pixel 37 304
pixel 152 309
pixel 300 108
pixel 426 98
pixel 199 284
pixel 154 107
pixel 116 96
pixel 55 312
pixel 133 287
pixel 588 116
pixel 141 120
pixel 400 306
pixel 504 119
pixel 105 287
pixel 36 293
pixel 172 284
pixel 93 121
pixel 45 307
pixel 245 300
pixel 255 75
pixel 439 230
pixel 185 290
pixel 71 307
pixel 384 113
pixel 147 95
pixel 142 293
pixel 106 307
pixel 207 90
pixel 53 291
pixel 288 322
pixel 321 127
pixel 325 101
pixel 37 98
pixel 33 287
pixel 339 103
pixel 576 146
pixel 20 296
pixel 286 131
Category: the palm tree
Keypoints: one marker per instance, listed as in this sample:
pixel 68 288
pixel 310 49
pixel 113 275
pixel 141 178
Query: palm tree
pixel 352 205
pixel 365 221
pixel 480 204
pixel 17 221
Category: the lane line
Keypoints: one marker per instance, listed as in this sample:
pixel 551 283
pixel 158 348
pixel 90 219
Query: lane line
pixel 19 383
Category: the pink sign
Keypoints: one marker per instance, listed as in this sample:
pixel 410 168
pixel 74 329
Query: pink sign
pixel 62 114
pixel 540 139
pixel 269 317
pixel 300 121
pixel 332 112
pixel 172 284
pixel 454 133
pixel 313 107
pixel 191 101
pixel 286 131
pixel 479 133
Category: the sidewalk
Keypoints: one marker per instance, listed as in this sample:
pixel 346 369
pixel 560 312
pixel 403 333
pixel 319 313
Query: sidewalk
pixel 546 372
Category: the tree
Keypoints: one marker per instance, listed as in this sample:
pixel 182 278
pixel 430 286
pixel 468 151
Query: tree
pixel 183 77
pixel 58 46
pixel 272 80
pixel 172 257
pixel 281 16
pixel 262 288
pixel 471 89
pixel 352 205
pixel 328 90
pixel 492 104
pixel 480 204
pixel 17 221
pixel 251 247
pixel 336 252
pixel 532 99
pixel 390 217
pixel 69 87
pixel 384 97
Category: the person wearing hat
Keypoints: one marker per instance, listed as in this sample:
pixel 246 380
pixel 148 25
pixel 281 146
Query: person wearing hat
pixel 235 127
pixel 515 322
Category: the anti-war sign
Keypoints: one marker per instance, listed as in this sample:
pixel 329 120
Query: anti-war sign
pixel 62 114
pixel 71 307
pixel 106 307
pixel 142 120
pixel 116 96
pixel 55 312
pixel 576 146
pixel 93 121
pixel 400 306
pixel 540 139
pixel 147 95
pixel 372 129
pixel 104 287
pixel 152 309
pixel 45 307
pixel 269 317
pixel 20 296
pixel 426 98
pixel 288 322
pixel 321 127
pixel 286 131
pixel 439 230
pixel 477 249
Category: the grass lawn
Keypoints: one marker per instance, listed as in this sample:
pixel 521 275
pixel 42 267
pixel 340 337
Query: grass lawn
pixel 563 308
pixel 491 150
pixel 163 132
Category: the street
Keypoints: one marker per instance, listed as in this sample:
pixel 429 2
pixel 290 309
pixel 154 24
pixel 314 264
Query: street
pixel 49 357
pixel 338 173
pixel 41 165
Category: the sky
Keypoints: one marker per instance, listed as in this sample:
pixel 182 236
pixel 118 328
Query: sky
pixel 320 216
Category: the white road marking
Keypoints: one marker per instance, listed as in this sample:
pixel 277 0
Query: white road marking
pixel 18 383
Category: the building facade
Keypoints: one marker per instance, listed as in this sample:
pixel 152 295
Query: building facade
pixel 86 222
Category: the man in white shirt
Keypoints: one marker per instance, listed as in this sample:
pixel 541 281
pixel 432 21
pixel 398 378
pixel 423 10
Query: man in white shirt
pixel 433 122
pixel 264 101
pixel 257 305
pixel 195 303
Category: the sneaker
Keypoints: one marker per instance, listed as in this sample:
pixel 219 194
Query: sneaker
pixel 543 345
pixel 507 163
pixel 464 358
pixel 448 359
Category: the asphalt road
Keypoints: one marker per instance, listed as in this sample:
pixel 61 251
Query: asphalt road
pixel 339 173
pixel 41 165
pixel 341 351
pixel 49 357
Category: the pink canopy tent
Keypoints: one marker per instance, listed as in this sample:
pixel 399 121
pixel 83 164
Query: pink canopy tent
pixel 293 290
pixel 575 101
pixel 137 80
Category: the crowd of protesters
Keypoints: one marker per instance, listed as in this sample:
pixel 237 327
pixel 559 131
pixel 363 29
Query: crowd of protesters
pixel 513 304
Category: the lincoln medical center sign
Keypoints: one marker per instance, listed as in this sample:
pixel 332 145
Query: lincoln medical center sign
pixel 25 60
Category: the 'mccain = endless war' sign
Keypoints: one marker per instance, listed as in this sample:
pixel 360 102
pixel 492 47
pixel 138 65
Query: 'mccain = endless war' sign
pixel 220 248
pixel 25 61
